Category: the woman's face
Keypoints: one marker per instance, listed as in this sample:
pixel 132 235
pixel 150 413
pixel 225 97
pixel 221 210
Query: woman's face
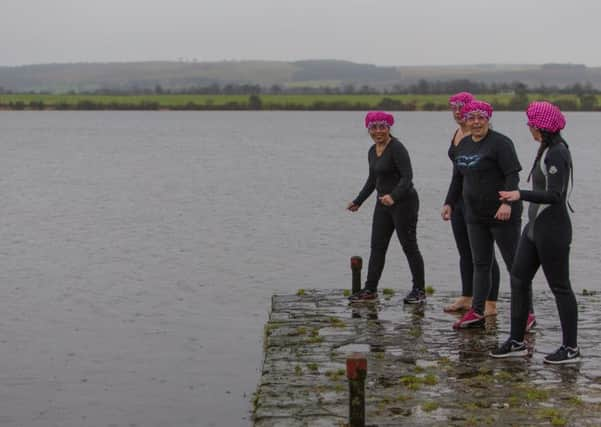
pixel 379 133
pixel 478 125
pixel 536 134
pixel 456 111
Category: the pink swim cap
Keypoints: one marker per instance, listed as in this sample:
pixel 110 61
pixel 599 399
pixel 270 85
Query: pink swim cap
pixel 378 117
pixel 545 116
pixel 475 106
pixel 460 99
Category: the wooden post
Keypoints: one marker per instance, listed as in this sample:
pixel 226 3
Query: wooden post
pixel 356 371
pixel 356 265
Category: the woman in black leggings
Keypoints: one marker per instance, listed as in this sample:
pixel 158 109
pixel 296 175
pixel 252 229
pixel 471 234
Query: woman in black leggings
pixel 485 163
pixel 546 238
pixel 396 209
pixel 459 227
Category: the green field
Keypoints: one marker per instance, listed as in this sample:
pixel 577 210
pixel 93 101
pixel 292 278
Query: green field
pixel 272 102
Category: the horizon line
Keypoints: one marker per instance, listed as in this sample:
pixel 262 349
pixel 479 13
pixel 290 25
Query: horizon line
pixel 197 62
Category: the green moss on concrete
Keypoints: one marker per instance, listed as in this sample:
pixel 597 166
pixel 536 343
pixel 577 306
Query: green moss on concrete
pixel 336 322
pixel 430 406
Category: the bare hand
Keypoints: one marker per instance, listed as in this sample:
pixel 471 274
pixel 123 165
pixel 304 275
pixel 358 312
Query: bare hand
pixel 509 196
pixel 447 210
pixel 504 212
pixel 352 207
pixel 386 200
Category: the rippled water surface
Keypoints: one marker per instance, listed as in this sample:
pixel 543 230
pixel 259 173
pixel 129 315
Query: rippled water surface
pixel 140 250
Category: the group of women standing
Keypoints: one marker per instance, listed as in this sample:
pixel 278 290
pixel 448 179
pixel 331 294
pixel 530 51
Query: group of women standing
pixel 484 205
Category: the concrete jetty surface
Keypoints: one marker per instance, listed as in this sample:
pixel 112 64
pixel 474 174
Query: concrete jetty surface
pixel 420 371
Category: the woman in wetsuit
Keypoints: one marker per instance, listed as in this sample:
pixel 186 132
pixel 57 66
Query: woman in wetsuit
pixel 546 238
pixel 459 226
pixel 396 209
pixel 485 163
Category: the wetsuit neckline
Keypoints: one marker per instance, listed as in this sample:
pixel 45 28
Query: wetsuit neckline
pixel 384 150
pixel 462 137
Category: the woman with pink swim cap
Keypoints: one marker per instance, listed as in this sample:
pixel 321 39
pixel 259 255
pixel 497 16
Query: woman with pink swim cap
pixel 485 162
pixel 396 208
pixel 546 239
pixel 459 226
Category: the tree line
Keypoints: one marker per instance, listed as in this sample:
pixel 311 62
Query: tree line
pixel 516 102
pixel 422 87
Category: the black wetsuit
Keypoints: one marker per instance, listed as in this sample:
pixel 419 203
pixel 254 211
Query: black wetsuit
pixel 391 173
pixel 546 242
pixel 481 169
pixel 466 265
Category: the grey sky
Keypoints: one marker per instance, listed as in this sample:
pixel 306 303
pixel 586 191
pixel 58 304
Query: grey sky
pixel 382 32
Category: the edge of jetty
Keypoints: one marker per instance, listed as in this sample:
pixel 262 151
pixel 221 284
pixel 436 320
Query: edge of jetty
pixel 420 371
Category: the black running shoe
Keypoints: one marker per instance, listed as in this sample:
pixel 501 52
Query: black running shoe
pixel 511 348
pixel 416 296
pixel 364 294
pixel 563 355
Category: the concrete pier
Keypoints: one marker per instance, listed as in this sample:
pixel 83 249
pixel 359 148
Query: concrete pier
pixel 421 372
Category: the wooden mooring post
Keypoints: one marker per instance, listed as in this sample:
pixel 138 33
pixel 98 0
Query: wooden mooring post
pixel 356 371
pixel 356 266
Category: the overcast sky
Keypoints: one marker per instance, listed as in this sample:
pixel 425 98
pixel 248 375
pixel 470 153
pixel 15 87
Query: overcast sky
pixel 382 32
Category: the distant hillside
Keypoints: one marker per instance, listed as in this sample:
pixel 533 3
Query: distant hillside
pixel 179 75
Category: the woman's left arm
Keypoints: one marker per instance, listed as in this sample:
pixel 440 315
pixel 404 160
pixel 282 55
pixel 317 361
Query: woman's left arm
pixel 400 157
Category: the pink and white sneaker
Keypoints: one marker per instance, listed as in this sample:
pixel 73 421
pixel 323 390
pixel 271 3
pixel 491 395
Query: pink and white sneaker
pixel 471 319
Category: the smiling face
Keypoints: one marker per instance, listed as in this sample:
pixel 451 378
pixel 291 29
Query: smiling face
pixel 380 133
pixel 478 125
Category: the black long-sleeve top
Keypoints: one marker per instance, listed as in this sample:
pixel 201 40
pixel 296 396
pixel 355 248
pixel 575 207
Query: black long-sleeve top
pixel 389 173
pixel 480 170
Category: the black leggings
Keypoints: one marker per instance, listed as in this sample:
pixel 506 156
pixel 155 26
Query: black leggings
pixel 550 249
pixel 466 264
pixel 402 217
pixel 482 238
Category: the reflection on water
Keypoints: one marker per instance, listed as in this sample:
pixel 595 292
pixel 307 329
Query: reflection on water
pixel 364 310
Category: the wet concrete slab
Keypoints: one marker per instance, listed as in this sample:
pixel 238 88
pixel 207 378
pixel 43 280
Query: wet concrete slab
pixel 420 371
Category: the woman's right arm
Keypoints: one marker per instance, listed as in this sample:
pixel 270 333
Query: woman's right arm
pixel 455 188
pixel 368 188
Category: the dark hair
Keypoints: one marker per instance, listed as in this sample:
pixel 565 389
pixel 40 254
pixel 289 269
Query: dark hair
pixel 548 139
